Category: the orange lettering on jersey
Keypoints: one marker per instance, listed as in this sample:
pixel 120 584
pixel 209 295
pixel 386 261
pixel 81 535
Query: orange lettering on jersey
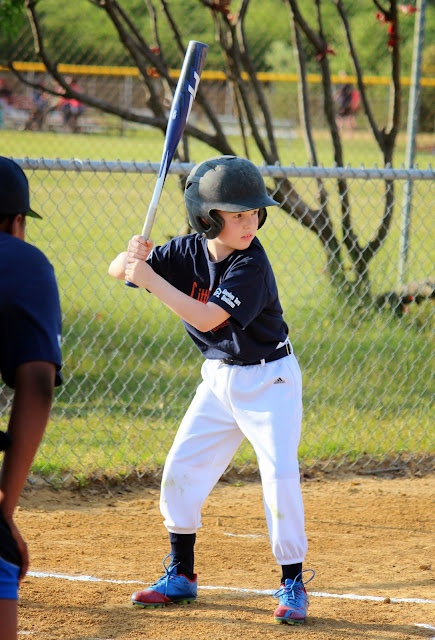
pixel 199 294
pixel 223 324
pixel 203 295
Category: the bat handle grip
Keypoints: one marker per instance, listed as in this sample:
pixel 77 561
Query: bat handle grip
pixel 146 234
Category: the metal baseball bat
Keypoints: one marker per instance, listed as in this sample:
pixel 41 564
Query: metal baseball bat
pixel 181 106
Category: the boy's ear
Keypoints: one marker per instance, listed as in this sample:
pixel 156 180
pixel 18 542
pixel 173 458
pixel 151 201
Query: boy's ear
pixel 18 226
pixel 206 223
pixel 14 225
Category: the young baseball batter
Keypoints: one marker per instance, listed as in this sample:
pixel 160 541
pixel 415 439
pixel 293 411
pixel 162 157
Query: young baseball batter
pixel 220 283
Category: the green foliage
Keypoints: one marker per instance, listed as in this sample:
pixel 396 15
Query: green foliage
pixel 369 36
pixel 427 105
pixel 11 18
pixel 97 42
pixel 81 33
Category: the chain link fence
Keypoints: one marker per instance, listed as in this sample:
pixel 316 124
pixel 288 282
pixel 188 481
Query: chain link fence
pixel 130 371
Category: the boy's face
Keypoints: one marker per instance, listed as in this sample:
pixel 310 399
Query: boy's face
pixel 239 229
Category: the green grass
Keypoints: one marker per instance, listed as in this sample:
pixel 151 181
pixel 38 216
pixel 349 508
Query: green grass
pixel 146 145
pixel 130 370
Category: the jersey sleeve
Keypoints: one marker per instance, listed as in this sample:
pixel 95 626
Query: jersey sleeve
pixel 31 323
pixel 242 293
pixel 159 260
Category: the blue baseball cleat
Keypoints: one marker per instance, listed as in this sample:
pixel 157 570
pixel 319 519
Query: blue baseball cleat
pixel 293 601
pixel 169 589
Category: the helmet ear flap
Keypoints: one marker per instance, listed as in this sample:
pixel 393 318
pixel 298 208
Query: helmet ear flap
pixel 213 225
pixel 262 215
pixel 216 225
pixel 202 226
pixel 209 227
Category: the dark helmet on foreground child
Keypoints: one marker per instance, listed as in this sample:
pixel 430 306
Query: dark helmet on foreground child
pixel 225 183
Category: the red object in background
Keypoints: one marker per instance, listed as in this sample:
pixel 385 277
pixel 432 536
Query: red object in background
pixel 153 73
pixel 393 39
pixel 355 100
pixel 407 8
pixel 221 5
pixel 324 53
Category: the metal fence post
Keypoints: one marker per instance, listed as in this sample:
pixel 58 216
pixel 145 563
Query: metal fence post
pixel 412 128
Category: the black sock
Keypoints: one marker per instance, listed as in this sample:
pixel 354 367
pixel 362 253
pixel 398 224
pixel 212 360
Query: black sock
pixel 182 545
pixel 290 571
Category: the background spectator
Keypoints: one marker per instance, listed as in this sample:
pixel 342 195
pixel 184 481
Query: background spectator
pixel 71 109
pixel 5 100
pixel 347 100
pixel 42 105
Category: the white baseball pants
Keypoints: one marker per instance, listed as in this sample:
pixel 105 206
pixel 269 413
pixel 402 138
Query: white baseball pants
pixel 264 404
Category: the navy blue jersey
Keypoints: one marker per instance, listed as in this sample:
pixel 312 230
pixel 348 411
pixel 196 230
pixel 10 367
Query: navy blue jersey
pixel 243 284
pixel 30 316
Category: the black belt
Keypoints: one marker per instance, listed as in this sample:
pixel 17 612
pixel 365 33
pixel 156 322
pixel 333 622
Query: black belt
pixel 276 355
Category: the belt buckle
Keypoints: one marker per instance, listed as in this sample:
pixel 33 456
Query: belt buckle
pixel 287 348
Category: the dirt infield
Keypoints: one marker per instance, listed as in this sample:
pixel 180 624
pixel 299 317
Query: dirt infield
pixel 368 537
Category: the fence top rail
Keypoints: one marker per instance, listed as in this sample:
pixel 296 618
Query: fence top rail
pixel 183 169
pixel 208 74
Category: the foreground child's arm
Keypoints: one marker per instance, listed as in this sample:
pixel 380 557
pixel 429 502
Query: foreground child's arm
pixel 138 249
pixel 117 266
pixel 203 317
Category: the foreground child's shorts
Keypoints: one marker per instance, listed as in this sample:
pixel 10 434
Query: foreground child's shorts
pixel 10 562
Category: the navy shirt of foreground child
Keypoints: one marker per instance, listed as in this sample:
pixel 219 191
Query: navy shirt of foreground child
pixel 30 315
pixel 243 284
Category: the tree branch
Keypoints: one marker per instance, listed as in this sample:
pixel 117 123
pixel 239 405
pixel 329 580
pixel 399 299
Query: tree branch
pixel 377 241
pixel 200 96
pixel 138 50
pixel 304 111
pixel 252 73
pixel 303 94
pixel 394 125
pixel 381 8
pixel 384 140
pixel 230 46
pixel 305 28
pixel 358 73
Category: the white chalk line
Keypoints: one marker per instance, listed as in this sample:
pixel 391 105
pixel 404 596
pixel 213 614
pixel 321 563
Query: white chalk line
pixel 425 626
pixel 245 535
pixel 61 576
pixel 316 594
pixel 42 634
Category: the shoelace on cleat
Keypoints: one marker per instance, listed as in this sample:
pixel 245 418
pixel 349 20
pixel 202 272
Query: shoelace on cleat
pixel 292 589
pixel 169 571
